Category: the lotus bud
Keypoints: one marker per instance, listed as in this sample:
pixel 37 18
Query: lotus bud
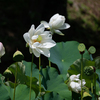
pixel 2 50
pixel 7 73
pixel 18 56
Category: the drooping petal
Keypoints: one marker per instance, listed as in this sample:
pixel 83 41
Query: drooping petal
pixel 36 44
pixel 36 53
pixel 44 51
pixel 58 32
pixel 64 26
pixel 27 37
pixel 46 25
pixel 49 44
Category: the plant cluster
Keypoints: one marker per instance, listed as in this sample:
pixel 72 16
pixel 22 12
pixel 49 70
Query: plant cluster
pixel 76 78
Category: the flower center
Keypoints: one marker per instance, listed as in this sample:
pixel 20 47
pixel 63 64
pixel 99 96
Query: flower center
pixel 39 39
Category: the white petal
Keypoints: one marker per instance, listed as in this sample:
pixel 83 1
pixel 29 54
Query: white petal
pixel 2 50
pixel 83 82
pixel 27 37
pixel 46 25
pixel 36 53
pixel 36 44
pixel 39 29
pixel 75 87
pixel 78 76
pixel 53 18
pixel 34 37
pixel 64 26
pixel 48 44
pixel 58 32
pixel 58 22
pixel 32 30
pixel 45 52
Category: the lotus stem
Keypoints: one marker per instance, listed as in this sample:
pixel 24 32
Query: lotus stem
pixel 15 80
pixel 39 76
pixel 81 73
pixel 31 77
pixel 49 63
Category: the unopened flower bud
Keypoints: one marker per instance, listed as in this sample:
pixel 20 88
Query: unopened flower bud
pixel 18 56
pixel 7 73
pixel 2 50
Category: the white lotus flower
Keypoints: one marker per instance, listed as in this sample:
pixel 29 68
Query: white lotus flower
pixel 2 50
pixel 74 83
pixel 39 41
pixel 56 23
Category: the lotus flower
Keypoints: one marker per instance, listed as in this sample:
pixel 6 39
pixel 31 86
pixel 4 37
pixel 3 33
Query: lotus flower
pixel 56 23
pixel 39 41
pixel 74 83
pixel 2 50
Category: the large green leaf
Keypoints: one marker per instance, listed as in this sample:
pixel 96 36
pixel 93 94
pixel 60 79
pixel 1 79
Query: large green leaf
pixel 3 91
pixel 20 71
pixel 21 77
pixel 64 54
pixel 97 65
pixel 53 96
pixel 97 88
pixel 22 93
pixel 55 83
pixel 35 71
pixel 4 95
pixel 75 68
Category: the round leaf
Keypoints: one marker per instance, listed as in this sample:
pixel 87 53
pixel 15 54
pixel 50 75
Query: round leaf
pixel 64 54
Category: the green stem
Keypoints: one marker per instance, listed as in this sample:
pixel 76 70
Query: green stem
pixel 94 79
pixel 31 77
pixel 92 86
pixel 81 73
pixel 49 63
pixel 39 76
pixel 15 81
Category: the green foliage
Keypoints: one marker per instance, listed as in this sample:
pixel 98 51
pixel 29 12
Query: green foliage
pixel 53 87
pixel 64 54
pixel 75 68
pixel 55 83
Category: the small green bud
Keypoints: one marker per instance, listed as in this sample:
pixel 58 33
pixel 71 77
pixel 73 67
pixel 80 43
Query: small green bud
pixel 88 70
pixel 7 73
pixel 18 56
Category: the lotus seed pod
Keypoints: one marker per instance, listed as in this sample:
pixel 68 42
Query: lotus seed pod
pixel 81 48
pixel 92 50
pixel 88 70
pixel 18 56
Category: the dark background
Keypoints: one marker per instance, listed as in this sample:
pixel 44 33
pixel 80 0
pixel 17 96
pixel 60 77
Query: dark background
pixel 17 16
